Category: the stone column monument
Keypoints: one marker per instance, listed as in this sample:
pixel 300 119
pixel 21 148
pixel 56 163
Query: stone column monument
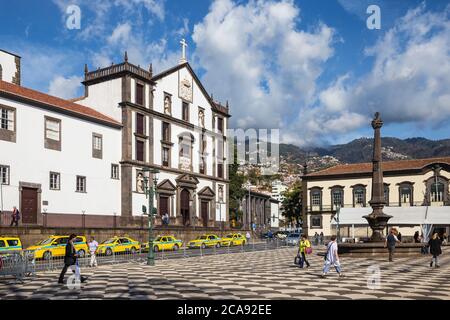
pixel 377 219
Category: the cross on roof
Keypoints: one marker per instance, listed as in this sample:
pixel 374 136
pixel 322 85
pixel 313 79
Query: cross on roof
pixel 183 51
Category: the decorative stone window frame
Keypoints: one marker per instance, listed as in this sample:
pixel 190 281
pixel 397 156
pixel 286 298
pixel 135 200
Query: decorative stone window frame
pixel 441 179
pixel 85 184
pixel 167 189
pixel 169 132
pixel 402 185
pixel 97 153
pixel 50 181
pixel 50 143
pixel 8 170
pixel 9 135
pixel 311 191
pixel 315 216
pixel 333 189
pixel 144 125
pixel 115 166
pixel 139 83
pixel 356 187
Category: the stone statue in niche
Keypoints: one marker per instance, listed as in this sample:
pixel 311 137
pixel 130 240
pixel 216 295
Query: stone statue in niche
pixel 167 105
pixel 220 193
pixel 201 118
pixel 140 183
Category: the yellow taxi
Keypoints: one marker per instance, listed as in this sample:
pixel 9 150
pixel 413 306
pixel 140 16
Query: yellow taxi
pixel 233 239
pixel 55 246
pixel 164 243
pixel 10 244
pixel 118 245
pixel 205 240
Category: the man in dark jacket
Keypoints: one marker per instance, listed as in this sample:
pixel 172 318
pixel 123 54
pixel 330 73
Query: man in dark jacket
pixel 70 258
pixel 435 249
pixel 391 241
pixel 15 217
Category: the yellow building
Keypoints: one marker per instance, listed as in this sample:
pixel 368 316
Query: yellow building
pixel 407 183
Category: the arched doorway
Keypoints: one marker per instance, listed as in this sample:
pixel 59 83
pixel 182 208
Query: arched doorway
pixel 184 206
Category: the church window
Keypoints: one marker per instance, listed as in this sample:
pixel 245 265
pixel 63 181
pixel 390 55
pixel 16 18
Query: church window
pixel 140 124
pixel 97 146
pixel 4 175
pixel 140 150
pixel 166 131
pixel 165 156
pixel 185 111
pixel 115 171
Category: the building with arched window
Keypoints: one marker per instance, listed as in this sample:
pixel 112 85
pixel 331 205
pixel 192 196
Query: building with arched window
pixel 407 183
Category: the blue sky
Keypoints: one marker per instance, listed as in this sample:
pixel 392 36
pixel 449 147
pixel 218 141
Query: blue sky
pixel 311 68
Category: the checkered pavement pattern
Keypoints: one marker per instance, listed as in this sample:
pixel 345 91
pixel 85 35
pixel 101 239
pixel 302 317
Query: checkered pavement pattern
pixel 259 275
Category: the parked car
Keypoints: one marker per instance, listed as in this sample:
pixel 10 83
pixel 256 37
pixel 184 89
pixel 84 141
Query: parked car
pixel 233 239
pixel 293 239
pixel 281 235
pixel 118 245
pixel 206 240
pixel 164 243
pixel 55 246
pixel 10 244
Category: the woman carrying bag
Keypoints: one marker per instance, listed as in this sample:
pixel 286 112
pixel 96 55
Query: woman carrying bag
pixel 303 250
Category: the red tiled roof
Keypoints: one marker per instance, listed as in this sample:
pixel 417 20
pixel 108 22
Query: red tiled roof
pixel 386 166
pixel 55 102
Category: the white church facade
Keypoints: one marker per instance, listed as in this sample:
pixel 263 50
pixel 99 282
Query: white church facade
pixel 82 162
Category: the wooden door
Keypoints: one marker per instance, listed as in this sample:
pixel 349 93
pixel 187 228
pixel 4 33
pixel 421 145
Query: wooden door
pixel 204 210
pixel 29 206
pixel 184 204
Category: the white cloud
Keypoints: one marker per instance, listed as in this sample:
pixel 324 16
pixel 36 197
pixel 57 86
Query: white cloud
pixel 65 88
pixel 254 55
pixel 120 34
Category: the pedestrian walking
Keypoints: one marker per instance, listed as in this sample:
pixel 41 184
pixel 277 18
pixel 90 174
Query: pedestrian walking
pixel 435 249
pixel 416 237
pixel 70 259
pixel 316 238
pixel 166 219
pixel 391 241
pixel 15 217
pixel 332 258
pixel 321 238
pixel 304 249
pixel 248 236
pixel 93 245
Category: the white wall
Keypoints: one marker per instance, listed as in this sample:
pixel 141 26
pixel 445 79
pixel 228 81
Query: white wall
pixel 7 61
pixel 30 162
pixel 105 97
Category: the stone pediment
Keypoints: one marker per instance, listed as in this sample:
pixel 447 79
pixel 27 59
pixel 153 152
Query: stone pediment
pixel 166 185
pixel 206 192
pixel 187 179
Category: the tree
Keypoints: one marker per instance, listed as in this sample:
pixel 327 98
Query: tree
pixel 292 203
pixel 237 192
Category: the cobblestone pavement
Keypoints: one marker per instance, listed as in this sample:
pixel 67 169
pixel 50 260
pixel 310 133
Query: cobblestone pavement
pixel 253 275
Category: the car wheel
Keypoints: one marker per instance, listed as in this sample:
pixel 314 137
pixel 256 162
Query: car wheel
pixel 81 253
pixel 108 252
pixel 218 245
pixel 133 250
pixel 203 246
pixel 176 247
pixel 155 249
pixel 47 255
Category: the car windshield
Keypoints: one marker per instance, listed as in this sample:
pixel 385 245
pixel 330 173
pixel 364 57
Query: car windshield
pixel 201 238
pixel 158 239
pixel 109 241
pixel 229 236
pixel 46 241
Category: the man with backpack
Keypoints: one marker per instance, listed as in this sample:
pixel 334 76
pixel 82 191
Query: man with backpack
pixel 15 217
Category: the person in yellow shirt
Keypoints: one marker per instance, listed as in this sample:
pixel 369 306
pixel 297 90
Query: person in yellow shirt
pixel 304 249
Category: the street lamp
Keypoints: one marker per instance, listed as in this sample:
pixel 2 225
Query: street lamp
pixel 150 191
pixel 248 185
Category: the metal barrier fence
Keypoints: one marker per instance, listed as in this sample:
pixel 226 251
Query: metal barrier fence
pixel 19 264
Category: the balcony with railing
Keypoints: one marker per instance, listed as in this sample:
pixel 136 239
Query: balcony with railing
pixel 116 69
